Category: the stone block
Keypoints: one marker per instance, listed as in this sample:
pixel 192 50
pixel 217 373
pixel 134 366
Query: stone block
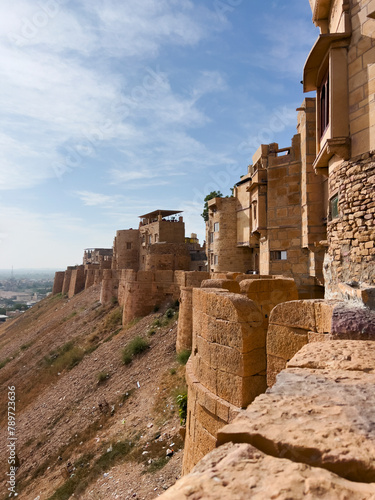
pixel 284 342
pixel 164 276
pixel 230 285
pixel 296 313
pixel 202 326
pixel 239 391
pixel 195 278
pixel 229 388
pixel 211 422
pixel 242 472
pixel 230 306
pixel 274 366
pixel 147 276
pixel 323 316
pixel 244 337
pixel 207 376
pixel 232 361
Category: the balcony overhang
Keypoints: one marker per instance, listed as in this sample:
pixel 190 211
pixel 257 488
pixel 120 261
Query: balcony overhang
pixel 339 146
pixel 320 9
pixel 316 57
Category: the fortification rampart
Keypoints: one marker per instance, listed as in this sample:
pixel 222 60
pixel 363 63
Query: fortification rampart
pixel 227 367
pixel 266 452
pixel 110 285
pixel 77 281
pixel 58 282
pixel 139 292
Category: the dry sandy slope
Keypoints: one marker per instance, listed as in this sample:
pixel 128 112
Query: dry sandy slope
pixel 59 419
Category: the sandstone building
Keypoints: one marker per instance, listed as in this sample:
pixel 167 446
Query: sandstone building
pixel 341 69
pixel 275 221
pixel 315 199
pixel 158 244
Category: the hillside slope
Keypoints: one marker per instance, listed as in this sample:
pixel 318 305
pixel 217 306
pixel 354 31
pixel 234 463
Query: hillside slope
pixel 86 423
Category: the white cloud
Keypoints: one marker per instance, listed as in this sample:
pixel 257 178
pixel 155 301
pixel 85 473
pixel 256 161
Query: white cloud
pixel 59 90
pixel 95 199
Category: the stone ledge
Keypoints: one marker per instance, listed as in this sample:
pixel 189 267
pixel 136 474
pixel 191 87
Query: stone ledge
pixel 322 417
pixel 241 472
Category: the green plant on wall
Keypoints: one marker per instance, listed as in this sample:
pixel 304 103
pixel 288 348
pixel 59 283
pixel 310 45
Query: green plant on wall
pixel 182 407
pixel 213 194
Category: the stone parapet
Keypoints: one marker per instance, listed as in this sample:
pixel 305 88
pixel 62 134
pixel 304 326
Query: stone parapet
pixel 228 359
pixel 310 436
pixel 211 413
pixel 296 323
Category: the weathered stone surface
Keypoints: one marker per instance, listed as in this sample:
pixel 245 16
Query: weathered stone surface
pixel 230 306
pixel 274 366
pixel 230 285
pixel 336 355
pixel 296 313
pixel 241 472
pixel 284 342
pixel 357 323
pixel 321 417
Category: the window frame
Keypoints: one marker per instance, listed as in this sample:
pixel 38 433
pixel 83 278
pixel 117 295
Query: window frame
pixel 324 104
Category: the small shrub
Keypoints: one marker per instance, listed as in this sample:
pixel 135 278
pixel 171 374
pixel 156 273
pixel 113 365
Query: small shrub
pixel 114 319
pixel 4 362
pixel 156 323
pixel 169 313
pixel 156 308
pixel 151 332
pixel 182 407
pixel 67 356
pixel 134 348
pixel 127 358
pixel 102 377
pixel 183 356
pixel 172 371
pixel 138 345
pixel 25 346
pixel 114 301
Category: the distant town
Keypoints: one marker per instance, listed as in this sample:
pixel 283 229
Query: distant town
pixel 21 289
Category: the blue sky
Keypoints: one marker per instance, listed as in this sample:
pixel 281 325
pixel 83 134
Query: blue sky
pixel 110 109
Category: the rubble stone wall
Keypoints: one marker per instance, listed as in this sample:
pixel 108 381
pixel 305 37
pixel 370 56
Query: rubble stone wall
pixel 351 235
